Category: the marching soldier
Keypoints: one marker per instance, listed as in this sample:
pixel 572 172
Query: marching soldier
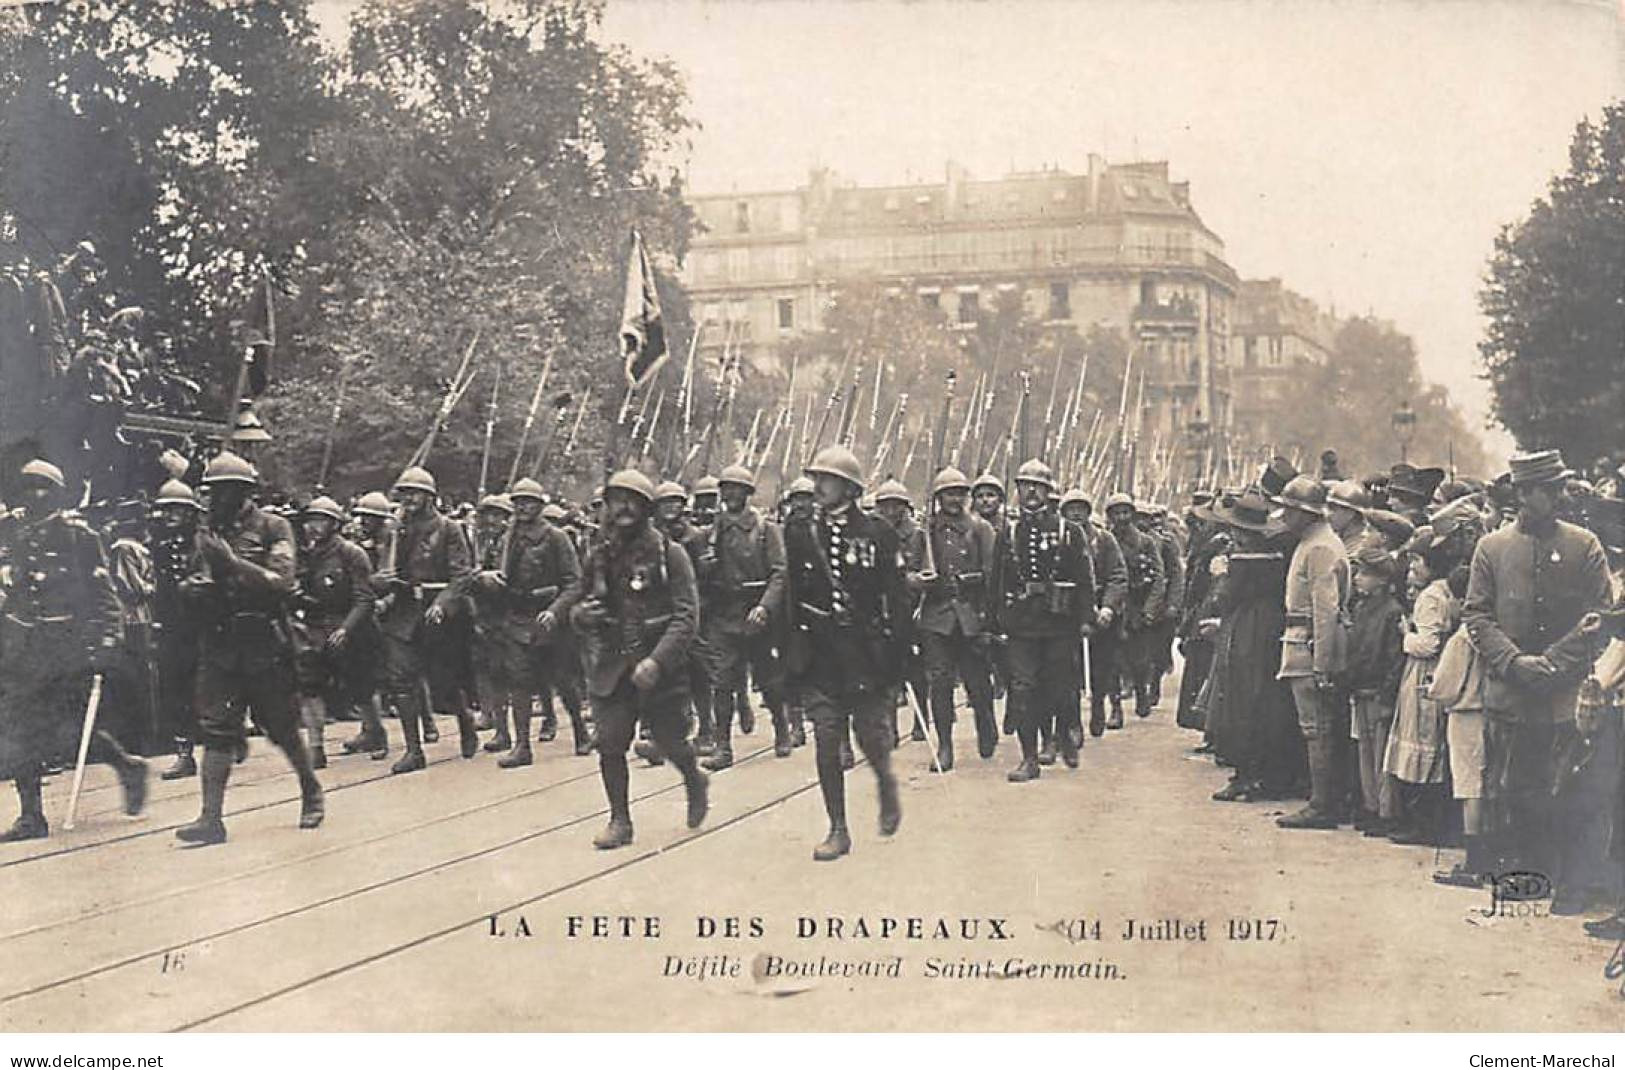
pixel 536 574
pixel 742 587
pixel 1043 588
pixel 426 554
pixel 494 661
pixel 1105 637
pixel 173 532
pixel 987 502
pixel 639 607
pixel 1142 611
pixel 1152 519
pixel 248 574
pixel 564 658
pixel 893 504
pixel 334 643
pixel 371 517
pixel 671 504
pixel 953 625
pixel 61 625
pixel 845 595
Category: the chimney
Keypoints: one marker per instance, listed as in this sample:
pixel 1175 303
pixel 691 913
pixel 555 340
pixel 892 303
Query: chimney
pixel 1097 171
pixel 1182 193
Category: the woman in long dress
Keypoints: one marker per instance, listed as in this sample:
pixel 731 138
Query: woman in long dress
pixel 1416 748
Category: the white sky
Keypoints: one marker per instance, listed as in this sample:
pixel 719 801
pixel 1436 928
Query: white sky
pixel 1364 150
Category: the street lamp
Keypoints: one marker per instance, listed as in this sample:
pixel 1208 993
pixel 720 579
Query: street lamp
pixel 1404 421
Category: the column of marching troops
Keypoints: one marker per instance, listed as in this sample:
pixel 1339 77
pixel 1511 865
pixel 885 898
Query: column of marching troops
pixel 647 616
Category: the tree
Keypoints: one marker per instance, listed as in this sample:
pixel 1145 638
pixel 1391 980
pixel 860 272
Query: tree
pixel 1555 299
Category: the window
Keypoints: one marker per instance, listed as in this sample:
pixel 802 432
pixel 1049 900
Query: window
pixel 742 217
pixel 710 312
pixel 970 302
pixel 1250 354
pixel 1148 291
pixel 1060 301
pixel 931 298
pixel 787 313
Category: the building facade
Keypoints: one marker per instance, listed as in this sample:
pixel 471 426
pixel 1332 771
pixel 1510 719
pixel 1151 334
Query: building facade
pixel 1119 246
pixel 1275 334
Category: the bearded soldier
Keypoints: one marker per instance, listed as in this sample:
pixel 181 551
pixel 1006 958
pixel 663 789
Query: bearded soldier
pixel 425 557
pixel 1043 589
pixel 893 505
pixel 846 594
pixel 742 588
pixel 671 504
pixel 1142 612
pixel 61 624
pixel 638 604
pixel 335 639
pixel 173 533
pixel 246 661
pixel 953 625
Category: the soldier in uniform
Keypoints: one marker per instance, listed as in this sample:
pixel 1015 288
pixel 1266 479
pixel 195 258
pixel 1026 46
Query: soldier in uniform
pixel 742 590
pixel 845 595
pixel 799 506
pixel 173 527
pixel 637 603
pixel 61 624
pixel 1314 646
pixel 953 626
pixel 1105 621
pixel 242 594
pixel 536 577
pixel 335 639
pixel 893 504
pixel 1152 518
pixel 671 516
pixel 500 677
pixel 425 557
pixel 987 502
pixel 1043 592
pixel 1142 612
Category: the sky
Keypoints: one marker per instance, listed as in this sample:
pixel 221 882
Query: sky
pixel 1364 151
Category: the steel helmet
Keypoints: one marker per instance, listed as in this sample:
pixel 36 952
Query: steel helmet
pixel 630 479
pixel 1036 471
pixel 949 478
pixel 373 503
pixel 737 473
pixel 174 492
pixel 988 479
pixel 1117 499
pixel 1075 496
pixel 553 512
pixel 800 485
pixel 525 488
pixel 669 490
pixel 891 491
pixel 1305 494
pixel 500 502
pixel 45 470
pixel 706 485
pixel 837 461
pixel 322 505
pixel 415 478
pixel 1350 494
pixel 227 467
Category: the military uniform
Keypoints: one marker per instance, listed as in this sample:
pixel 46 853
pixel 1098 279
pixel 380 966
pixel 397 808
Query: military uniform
pixel 335 594
pixel 61 623
pixel 1108 628
pixel 1142 611
pixel 1173 602
pixel 953 625
pixel 174 557
pixel 1043 591
pixel 695 541
pixel 911 539
pixel 742 568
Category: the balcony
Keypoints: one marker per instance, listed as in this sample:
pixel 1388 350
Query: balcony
pixel 1178 311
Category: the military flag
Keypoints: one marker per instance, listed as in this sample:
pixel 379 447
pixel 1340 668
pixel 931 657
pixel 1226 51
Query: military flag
pixel 643 332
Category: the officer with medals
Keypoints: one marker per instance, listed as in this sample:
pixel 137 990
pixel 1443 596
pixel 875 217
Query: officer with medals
pixel 61 624
pixel 638 608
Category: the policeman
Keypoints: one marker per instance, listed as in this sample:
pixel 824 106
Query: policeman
pixel 1043 589
pixel 61 624
pixel 173 525
pixel 742 591
pixel 536 578
pixel 671 505
pixel 953 626
pixel 426 554
pixel 335 641
pixel 893 504
pixel 1142 611
pixel 639 607
pixel 242 596
pixel 844 597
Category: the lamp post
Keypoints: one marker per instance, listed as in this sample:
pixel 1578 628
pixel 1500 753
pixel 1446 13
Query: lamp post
pixel 1404 423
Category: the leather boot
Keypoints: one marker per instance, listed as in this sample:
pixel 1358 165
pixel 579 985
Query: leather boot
pixel 519 756
pixel 1046 748
pixel 1097 715
pixel 722 750
pixel 550 722
pixel 184 765
pixel 944 724
pixel 431 731
pixel 1116 719
pixel 412 760
pixel 836 844
pixel 468 738
pixel 891 806
pixel 497 718
pixel 210 827
pixel 848 759
pixel 721 758
pixel 1068 744
pixel 781 733
pixel 698 788
pixel 1027 770
pixel 1317 815
pixel 30 823
pixel 649 751
pixel 618 833
pixel 1142 700
pixel 747 715
pixel 132 775
pixel 581 735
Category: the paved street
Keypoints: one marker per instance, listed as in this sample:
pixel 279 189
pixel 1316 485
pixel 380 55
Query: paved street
pixel 381 920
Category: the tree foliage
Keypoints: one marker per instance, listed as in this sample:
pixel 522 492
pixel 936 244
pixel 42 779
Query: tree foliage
pixel 1555 299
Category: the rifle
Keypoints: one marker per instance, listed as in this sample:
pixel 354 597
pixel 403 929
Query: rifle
pixel 490 428
pixel 654 422
pixel 717 401
pixel 560 403
pixel 970 413
pixel 570 443
pixel 454 393
pixel 930 570
pixel 332 427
